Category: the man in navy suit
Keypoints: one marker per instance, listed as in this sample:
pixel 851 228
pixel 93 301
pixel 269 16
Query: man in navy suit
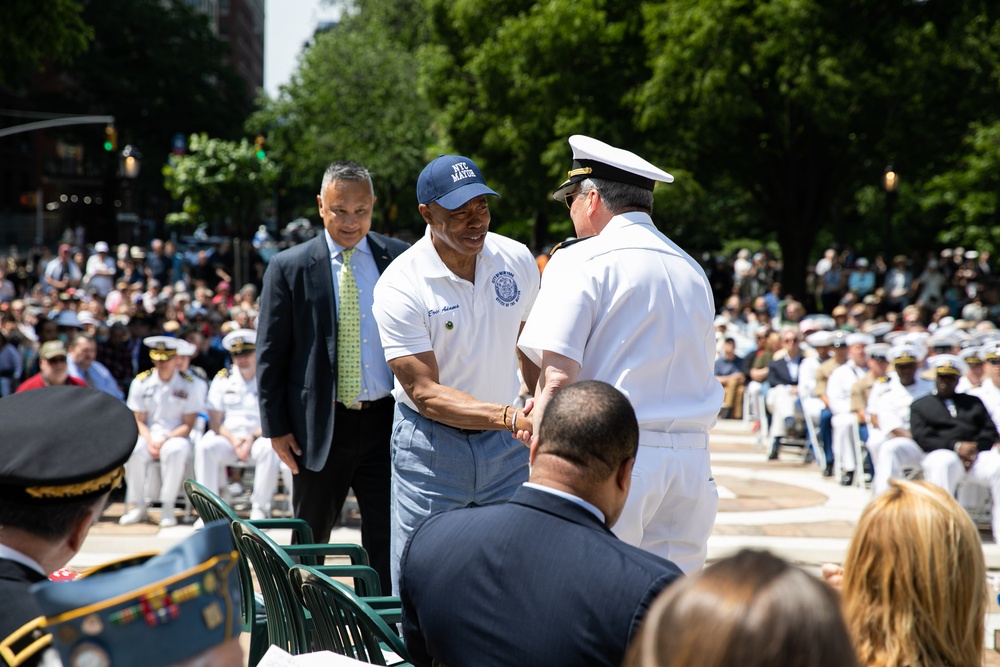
pixel 331 441
pixel 541 579
pixel 782 397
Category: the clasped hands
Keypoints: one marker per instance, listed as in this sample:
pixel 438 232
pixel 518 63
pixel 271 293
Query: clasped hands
pixel 525 434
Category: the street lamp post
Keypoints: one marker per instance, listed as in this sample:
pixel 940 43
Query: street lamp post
pixel 890 181
pixel 130 162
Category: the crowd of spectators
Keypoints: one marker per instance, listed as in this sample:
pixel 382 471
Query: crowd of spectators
pixel 954 282
pixel 118 296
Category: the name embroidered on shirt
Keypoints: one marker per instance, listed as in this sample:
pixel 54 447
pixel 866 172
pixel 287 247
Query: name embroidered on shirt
pixel 437 311
pixel 462 171
pixel 506 288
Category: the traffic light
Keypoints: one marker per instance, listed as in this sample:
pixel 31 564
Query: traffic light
pixel 258 145
pixel 110 138
pixel 29 199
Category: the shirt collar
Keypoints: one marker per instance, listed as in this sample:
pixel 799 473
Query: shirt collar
pixel 335 248
pixel 623 220
pixel 570 497
pixel 429 261
pixel 10 553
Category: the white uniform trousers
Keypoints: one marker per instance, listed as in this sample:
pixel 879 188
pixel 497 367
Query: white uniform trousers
pixel 214 452
pixel 893 457
pixel 844 426
pixel 944 468
pixel 811 408
pixel 753 391
pixel 782 404
pixel 175 454
pixel 672 503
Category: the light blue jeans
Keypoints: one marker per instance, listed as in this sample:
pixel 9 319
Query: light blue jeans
pixel 436 468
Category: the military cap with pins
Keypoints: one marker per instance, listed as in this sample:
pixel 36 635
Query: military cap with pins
pixel 63 444
pixel 972 356
pixel 240 341
pixel 905 353
pixel 990 352
pixel 819 338
pixel 593 158
pixel 947 365
pixel 161 348
pixel 165 611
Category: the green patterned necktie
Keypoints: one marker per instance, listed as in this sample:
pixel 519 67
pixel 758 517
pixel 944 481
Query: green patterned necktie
pixel 348 334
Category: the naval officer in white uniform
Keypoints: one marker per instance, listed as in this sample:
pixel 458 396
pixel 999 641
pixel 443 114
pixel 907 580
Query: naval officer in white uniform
pixel 234 433
pixel 166 403
pixel 627 306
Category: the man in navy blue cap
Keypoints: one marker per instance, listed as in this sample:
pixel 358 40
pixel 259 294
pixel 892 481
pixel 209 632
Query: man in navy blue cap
pixel 62 452
pixel 449 312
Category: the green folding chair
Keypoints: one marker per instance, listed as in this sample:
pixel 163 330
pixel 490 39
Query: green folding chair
pixel 288 623
pixel 211 507
pixel 345 623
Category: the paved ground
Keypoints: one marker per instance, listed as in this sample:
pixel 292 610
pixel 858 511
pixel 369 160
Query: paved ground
pixel 784 506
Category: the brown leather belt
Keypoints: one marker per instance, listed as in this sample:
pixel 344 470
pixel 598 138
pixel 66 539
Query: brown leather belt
pixel 463 431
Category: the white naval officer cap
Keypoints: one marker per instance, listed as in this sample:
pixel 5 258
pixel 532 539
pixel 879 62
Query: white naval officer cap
pixel 595 159
pixel 860 339
pixel 880 329
pixel 943 341
pixel 948 365
pixel 240 341
pixel 161 348
pixel 819 338
pixel 186 349
pixel 877 351
pixel 972 355
pixel 905 353
pixel 990 351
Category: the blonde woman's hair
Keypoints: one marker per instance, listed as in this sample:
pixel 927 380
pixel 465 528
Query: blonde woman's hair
pixel 752 609
pixel 914 589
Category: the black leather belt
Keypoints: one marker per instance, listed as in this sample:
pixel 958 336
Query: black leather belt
pixel 365 405
pixel 463 431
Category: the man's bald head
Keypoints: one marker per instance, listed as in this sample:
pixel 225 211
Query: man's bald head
pixel 592 426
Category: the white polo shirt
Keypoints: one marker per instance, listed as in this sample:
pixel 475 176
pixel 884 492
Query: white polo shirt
pixel 421 306
pixel 637 312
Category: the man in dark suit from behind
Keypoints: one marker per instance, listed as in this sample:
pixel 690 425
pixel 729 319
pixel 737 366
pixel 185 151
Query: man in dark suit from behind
pixel 329 416
pixel 541 579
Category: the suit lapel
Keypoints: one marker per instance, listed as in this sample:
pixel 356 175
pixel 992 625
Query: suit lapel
pixel 379 252
pixel 326 304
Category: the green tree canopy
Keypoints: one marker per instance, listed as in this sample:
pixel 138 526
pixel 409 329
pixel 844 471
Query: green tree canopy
pixel 511 80
pixel 35 31
pixel 353 98
pixel 801 103
pixel 220 181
